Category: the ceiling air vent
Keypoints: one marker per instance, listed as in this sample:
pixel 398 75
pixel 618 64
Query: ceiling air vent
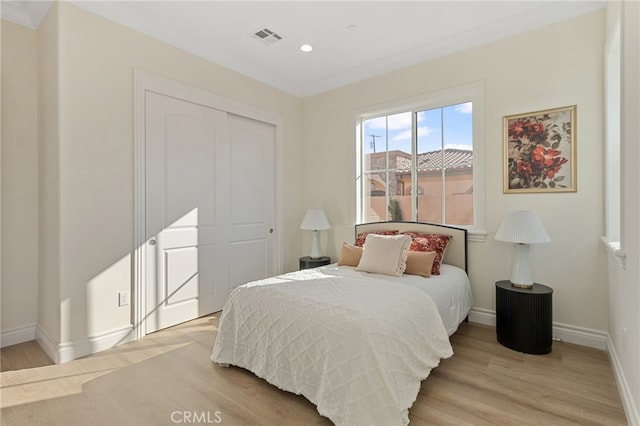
pixel 267 36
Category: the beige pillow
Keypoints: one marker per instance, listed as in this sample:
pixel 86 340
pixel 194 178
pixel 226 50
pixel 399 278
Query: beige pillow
pixel 420 263
pixel 385 254
pixel 350 255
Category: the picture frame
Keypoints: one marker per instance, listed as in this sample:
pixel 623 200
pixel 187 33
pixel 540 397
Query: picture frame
pixel 540 151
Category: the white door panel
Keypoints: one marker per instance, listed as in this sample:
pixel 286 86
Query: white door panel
pixel 181 141
pixel 243 271
pixel 252 189
pixel 181 277
pixel 210 192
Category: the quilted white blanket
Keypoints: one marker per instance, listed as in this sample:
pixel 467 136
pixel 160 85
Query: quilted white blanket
pixel 356 347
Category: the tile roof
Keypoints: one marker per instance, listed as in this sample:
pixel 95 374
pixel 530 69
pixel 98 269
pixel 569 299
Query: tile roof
pixel 453 158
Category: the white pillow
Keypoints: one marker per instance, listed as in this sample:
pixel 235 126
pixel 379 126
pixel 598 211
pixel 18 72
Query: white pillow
pixel 385 254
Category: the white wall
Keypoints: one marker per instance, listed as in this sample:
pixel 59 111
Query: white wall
pixel 19 184
pixel 624 281
pixel 550 67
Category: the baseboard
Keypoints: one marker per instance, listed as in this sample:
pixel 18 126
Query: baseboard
pixel 47 344
pixel 630 407
pixel 580 336
pixel 68 351
pixel 483 316
pixel 16 335
pixel 561 332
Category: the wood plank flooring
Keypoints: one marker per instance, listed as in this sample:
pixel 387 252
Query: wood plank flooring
pixel 167 378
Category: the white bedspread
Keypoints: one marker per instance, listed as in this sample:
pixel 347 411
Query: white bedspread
pixel 451 290
pixel 357 347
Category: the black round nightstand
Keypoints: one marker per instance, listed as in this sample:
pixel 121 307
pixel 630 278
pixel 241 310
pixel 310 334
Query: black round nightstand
pixel 307 262
pixel 524 317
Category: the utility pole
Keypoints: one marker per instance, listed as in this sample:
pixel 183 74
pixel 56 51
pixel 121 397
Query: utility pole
pixel 373 142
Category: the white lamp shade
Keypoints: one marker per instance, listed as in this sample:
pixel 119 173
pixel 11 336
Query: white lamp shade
pixel 315 220
pixel 522 227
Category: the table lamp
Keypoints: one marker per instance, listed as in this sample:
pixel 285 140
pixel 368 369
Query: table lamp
pixel 522 227
pixel 315 220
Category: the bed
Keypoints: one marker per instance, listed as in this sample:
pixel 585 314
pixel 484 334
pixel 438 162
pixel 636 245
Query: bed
pixel 354 343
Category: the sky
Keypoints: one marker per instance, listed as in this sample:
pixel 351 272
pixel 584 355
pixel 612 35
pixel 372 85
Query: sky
pixel 449 126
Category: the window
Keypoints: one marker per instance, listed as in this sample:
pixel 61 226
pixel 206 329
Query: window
pixel 612 139
pixel 613 160
pixel 420 161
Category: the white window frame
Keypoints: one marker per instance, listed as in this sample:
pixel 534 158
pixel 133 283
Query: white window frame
pixel 612 148
pixel 473 92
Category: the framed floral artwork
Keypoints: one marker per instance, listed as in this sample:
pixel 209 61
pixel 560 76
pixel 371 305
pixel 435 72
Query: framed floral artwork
pixel 540 151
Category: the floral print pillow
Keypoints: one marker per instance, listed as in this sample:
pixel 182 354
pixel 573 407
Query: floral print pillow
pixel 363 236
pixel 430 242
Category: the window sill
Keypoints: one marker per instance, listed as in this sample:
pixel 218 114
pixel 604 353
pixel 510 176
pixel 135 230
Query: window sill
pixel 613 247
pixel 476 235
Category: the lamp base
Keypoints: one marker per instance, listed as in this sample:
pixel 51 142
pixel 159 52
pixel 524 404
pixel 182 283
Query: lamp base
pixel 521 285
pixel 521 273
pixel 315 246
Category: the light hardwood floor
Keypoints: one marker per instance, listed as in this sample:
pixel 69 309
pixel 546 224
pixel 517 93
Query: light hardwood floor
pixel 167 378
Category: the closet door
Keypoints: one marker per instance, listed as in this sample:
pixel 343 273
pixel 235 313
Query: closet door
pixel 209 207
pixel 249 228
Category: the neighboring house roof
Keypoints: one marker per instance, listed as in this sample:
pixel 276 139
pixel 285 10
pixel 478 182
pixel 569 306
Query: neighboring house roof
pixel 453 158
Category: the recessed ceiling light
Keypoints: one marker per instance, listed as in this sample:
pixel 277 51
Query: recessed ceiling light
pixel 306 48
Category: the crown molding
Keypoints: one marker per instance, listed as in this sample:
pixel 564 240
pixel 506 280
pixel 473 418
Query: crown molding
pixel 27 13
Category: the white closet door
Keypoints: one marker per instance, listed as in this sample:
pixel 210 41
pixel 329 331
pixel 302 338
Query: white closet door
pixel 205 229
pixel 251 200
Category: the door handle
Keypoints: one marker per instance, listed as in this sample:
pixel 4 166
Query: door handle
pixel 152 242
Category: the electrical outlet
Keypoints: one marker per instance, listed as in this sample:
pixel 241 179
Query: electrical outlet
pixel 624 338
pixel 123 298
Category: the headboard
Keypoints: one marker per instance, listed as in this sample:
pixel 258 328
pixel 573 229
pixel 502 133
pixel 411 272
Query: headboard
pixel 456 253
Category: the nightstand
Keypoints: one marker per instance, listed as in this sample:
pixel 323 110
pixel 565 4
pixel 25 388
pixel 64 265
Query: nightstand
pixel 524 317
pixel 307 262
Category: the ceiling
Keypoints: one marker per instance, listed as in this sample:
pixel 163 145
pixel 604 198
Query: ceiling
pixel 352 40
